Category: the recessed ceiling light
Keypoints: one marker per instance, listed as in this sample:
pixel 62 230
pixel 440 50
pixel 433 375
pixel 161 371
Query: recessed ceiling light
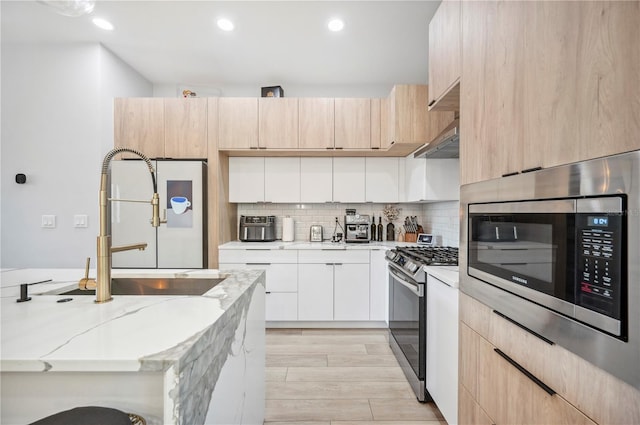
pixel 336 25
pixel 103 24
pixel 225 24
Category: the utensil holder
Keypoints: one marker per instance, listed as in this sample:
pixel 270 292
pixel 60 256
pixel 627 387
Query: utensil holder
pixel 410 237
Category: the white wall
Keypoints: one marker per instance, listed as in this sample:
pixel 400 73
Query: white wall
pixel 57 120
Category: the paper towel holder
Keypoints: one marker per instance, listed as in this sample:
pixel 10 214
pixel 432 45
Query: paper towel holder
pixel 287 229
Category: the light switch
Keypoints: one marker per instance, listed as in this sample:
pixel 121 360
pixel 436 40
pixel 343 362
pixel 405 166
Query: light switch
pixel 80 220
pixel 49 221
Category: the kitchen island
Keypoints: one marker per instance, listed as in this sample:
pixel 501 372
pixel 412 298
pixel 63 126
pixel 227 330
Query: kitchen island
pixel 170 359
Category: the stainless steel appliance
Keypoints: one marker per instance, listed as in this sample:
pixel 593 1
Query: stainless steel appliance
pixel 182 241
pixel 556 251
pixel 257 228
pixel 315 233
pixel 357 228
pixel 407 308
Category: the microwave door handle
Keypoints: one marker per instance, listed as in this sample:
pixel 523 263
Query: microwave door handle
pixel 262 233
pixel 246 232
pixel 416 289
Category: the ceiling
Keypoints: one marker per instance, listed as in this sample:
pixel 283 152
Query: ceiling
pixel 274 43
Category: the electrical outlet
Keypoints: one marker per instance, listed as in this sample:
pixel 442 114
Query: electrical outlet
pixel 80 220
pixel 48 221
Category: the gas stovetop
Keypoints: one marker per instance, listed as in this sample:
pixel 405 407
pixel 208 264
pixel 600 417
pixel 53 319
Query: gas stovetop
pixel 431 255
pixel 410 259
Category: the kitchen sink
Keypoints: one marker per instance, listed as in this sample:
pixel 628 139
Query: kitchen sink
pixel 155 286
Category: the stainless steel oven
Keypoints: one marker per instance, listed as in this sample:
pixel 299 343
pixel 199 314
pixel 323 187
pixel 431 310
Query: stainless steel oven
pixel 556 251
pixel 408 308
pixel 407 328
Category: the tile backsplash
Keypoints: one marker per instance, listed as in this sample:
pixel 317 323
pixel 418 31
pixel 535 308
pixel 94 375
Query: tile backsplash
pixel 441 219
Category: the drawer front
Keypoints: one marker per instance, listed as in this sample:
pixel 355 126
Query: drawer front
pixel 281 306
pixel 289 256
pixel 279 277
pixel 360 256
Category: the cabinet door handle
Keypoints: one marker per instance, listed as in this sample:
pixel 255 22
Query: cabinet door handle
pixel 267 292
pixel 258 264
pixel 523 327
pixel 525 372
pixel 510 174
pixel 432 102
pixel 329 147
pixel 328 264
pixel 337 264
pixel 528 170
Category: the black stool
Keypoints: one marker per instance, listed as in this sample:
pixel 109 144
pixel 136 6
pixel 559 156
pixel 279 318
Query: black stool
pixel 91 415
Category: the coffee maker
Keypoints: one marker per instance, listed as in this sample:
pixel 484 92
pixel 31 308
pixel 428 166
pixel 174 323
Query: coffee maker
pixel 357 227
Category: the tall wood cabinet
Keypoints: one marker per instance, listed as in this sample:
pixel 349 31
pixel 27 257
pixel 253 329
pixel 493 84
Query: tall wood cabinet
pixel 445 60
pixel 547 83
pixel 159 127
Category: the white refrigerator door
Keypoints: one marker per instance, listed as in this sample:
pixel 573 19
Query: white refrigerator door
pixel 130 221
pixel 181 239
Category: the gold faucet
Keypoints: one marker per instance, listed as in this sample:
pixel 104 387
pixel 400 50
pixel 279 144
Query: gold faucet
pixel 102 283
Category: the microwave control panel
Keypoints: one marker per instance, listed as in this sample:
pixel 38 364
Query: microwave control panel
pixel 599 254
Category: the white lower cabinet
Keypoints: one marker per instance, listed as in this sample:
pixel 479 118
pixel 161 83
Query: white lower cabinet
pixel 351 292
pixel 315 292
pixel 281 280
pixel 378 286
pixel 318 285
pixel 333 285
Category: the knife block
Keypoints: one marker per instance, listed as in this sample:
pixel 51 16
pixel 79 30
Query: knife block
pixel 410 237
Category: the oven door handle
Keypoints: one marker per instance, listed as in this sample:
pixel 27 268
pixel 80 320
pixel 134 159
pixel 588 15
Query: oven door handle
pixel 416 288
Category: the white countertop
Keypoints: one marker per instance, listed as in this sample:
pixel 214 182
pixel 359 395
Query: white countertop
pixel 446 274
pixel 313 245
pixel 79 335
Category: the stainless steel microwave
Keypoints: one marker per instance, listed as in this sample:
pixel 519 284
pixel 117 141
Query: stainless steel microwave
pixel 557 252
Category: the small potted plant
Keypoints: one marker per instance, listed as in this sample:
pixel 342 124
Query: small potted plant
pixel 390 214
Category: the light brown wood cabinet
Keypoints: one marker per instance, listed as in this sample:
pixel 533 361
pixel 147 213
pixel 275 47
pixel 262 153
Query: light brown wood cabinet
pixel 316 118
pixel 445 57
pixel 237 123
pixel 409 123
pixel 494 390
pixel 376 123
pixel 353 123
pixel 506 395
pixel 547 83
pixel 161 127
pixel 278 123
pixel 185 128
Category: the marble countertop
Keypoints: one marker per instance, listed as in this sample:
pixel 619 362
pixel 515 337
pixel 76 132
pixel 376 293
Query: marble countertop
pixel 313 245
pixel 130 333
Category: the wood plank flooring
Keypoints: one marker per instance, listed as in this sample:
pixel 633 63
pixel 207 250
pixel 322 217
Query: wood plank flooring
pixel 339 377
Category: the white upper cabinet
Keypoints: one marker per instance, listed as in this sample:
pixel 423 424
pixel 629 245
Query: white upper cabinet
pixel 430 180
pixel 348 179
pixel 282 179
pixel 246 179
pixel 316 179
pixel 382 180
pixel 443 180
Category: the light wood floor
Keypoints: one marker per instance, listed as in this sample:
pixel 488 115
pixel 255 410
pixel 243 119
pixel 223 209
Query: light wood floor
pixel 339 377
